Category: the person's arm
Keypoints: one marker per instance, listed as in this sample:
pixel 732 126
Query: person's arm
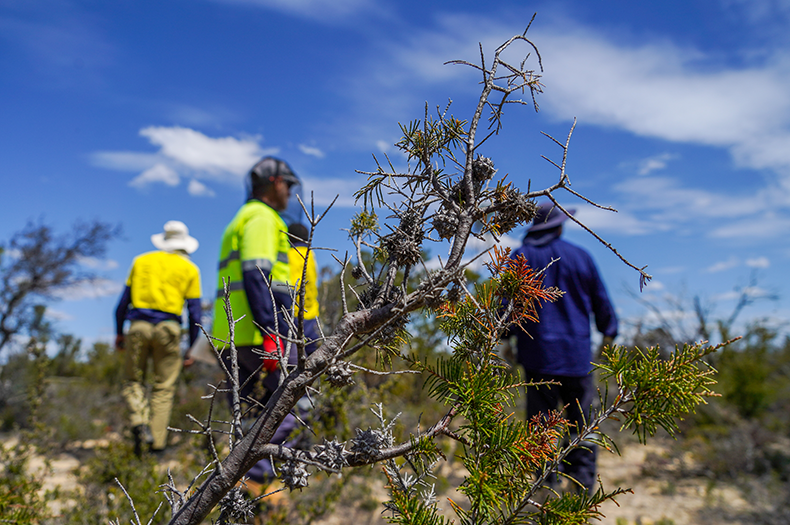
pixel 194 312
pixel 258 253
pixel 256 287
pixel 605 317
pixel 120 316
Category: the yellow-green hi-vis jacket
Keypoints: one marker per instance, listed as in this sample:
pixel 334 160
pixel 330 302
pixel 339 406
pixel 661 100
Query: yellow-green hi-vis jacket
pixel 255 238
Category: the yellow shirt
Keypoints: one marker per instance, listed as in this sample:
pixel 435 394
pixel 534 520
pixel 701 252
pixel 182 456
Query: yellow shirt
pixel 296 261
pixel 163 281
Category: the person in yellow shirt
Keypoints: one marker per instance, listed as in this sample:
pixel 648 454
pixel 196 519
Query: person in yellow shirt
pixel 159 284
pixel 302 262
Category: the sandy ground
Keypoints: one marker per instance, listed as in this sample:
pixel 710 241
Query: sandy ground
pixel 654 501
pixel 684 502
pixel 664 500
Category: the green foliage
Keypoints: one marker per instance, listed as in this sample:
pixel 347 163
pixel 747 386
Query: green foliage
pixel 83 404
pixel 660 390
pixel 576 509
pixel 500 452
pixel 436 137
pixel 44 262
pixel 103 499
pixel 103 365
pixel 409 508
pixel 15 377
pixel 745 379
pixel 508 459
pixel 364 223
pixel 21 499
pixel 742 434
pixel 751 373
pixel 66 363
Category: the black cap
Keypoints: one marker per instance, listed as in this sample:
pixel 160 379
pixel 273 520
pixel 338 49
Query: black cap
pixel 266 171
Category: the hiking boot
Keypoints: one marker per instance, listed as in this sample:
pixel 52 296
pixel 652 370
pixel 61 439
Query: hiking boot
pixel 143 438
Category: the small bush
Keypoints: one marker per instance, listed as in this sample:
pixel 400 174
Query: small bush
pixel 21 500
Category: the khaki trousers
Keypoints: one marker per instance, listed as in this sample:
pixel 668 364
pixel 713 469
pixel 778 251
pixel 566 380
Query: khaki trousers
pixel 161 344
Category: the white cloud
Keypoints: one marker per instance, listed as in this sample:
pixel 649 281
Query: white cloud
pixel 310 150
pixel 658 162
pixel 198 189
pixel 215 156
pixel 752 292
pixel 654 89
pixel 669 315
pixel 664 91
pixel 665 204
pixel 57 315
pixel 679 203
pixel 90 290
pixel 655 286
pixel 185 152
pixel 660 90
pixel 158 173
pixel 758 262
pixel 98 264
pixel 621 222
pixel 721 266
pixel 383 146
pixel 770 224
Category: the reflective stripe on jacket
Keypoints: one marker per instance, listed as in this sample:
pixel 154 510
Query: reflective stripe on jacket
pixel 255 238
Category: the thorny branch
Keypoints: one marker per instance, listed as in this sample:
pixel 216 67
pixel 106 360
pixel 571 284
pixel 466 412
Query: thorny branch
pixel 432 200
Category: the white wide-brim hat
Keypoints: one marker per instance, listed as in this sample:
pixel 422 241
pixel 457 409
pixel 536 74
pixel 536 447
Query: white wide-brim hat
pixel 175 237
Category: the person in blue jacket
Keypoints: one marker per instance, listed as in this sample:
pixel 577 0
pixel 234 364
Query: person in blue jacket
pixel 559 347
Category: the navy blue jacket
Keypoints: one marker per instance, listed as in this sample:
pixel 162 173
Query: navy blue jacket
pixel 560 343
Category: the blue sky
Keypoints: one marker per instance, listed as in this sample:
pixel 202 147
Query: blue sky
pixel 138 112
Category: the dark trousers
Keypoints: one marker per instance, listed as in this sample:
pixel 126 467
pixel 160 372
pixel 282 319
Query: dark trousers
pixel 260 387
pixel 580 463
pixel 256 392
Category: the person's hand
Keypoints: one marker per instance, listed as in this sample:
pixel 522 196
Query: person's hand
pixel 119 343
pixel 188 361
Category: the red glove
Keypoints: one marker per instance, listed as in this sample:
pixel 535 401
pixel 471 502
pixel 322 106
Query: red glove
pixel 273 353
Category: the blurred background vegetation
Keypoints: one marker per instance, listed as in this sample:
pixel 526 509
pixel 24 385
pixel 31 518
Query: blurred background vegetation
pixel 69 402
